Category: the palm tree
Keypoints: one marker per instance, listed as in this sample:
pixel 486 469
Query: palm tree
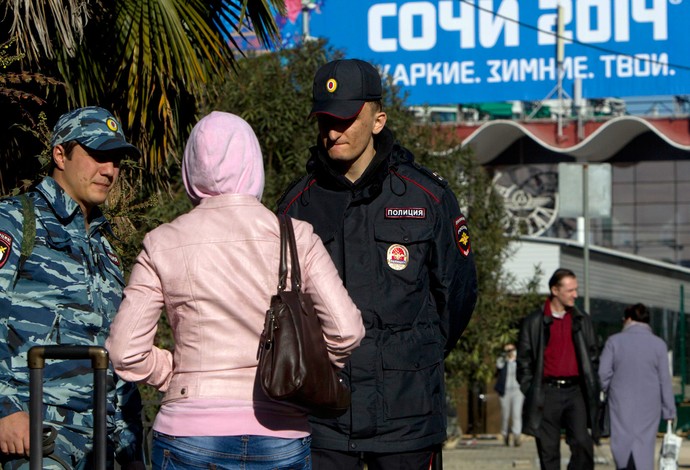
pixel 152 62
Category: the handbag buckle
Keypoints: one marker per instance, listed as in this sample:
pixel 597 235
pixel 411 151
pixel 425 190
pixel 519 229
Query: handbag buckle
pixel 266 340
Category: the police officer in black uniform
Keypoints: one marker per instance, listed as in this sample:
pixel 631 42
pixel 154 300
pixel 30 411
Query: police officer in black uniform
pixel 402 248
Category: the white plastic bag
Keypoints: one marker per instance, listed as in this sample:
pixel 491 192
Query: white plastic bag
pixel 670 449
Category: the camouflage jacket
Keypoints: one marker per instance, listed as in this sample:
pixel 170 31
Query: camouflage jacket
pixel 67 292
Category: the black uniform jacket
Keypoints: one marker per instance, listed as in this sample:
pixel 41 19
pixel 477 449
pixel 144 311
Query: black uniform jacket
pixel 534 336
pixel 402 248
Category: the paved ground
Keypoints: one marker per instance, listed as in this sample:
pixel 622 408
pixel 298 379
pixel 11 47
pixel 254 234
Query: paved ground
pixel 489 453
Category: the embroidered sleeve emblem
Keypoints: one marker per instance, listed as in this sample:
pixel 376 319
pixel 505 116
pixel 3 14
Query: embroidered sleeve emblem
pixel 5 248
pixel 462 236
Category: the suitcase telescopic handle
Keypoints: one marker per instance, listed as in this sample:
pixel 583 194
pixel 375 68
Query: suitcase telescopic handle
pixel 99 363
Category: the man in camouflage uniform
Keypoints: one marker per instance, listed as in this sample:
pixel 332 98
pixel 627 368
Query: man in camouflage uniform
pixel 66 291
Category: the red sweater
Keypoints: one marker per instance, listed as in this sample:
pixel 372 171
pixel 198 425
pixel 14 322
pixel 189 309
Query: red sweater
pixel 559 355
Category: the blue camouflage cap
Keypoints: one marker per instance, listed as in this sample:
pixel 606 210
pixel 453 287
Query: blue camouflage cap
pixel 94 128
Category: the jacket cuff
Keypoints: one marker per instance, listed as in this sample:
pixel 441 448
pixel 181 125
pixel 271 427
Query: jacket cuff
pixel 9 405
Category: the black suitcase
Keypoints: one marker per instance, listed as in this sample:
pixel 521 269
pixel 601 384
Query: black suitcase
pixel 99 364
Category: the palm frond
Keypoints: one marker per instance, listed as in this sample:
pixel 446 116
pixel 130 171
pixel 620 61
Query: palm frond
pixel 172 48
pixel 41 25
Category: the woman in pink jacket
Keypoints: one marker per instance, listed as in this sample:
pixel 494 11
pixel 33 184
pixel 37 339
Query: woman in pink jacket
pixel 213 271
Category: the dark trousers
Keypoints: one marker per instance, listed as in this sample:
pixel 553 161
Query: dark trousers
pixel 564 408
pixel 423 459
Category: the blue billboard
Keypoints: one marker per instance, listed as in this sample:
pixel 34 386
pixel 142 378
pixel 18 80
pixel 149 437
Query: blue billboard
pixel 453 51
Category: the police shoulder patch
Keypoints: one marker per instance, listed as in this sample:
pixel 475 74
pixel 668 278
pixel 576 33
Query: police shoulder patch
pixel 113 258
pixel 462 236
pixel 5 248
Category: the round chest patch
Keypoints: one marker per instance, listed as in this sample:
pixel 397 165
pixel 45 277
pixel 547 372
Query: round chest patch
pixel 331 85
pixel 398 257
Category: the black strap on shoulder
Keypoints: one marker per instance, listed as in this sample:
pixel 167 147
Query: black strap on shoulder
pixel 293 183
pixel 438 179
pixel 28 233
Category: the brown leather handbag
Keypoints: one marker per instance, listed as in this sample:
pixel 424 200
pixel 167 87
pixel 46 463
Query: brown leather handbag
pixel 294 366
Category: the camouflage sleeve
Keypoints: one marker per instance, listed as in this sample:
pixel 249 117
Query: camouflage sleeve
pixel 12 373
pixel 10 399
pixel 129 431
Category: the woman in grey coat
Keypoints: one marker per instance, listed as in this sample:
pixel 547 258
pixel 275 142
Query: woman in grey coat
pixel 634 371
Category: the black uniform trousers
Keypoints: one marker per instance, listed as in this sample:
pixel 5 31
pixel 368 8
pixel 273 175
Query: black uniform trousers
pixel 423 459
pixel 564 408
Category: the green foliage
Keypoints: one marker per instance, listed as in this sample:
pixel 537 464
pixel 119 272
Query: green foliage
pixel 10 80
pixel 41 135
pixel 23 128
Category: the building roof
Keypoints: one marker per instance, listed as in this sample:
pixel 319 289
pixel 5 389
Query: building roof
pixel 593 140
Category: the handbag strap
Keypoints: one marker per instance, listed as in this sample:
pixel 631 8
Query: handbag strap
pixel 287 237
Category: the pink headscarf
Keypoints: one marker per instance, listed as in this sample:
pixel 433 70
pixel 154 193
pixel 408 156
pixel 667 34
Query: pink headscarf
pixel 222 156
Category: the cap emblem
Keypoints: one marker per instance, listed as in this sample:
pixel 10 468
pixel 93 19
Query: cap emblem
pixel 112 124
pixel 331 85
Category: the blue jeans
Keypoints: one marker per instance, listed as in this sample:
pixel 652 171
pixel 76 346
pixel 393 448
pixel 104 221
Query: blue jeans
pixel 230 453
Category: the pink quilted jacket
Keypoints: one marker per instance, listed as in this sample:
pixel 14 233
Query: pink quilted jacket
pixel 214 271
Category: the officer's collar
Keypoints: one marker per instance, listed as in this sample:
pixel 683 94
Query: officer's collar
pixel 64 207
pixel 323 166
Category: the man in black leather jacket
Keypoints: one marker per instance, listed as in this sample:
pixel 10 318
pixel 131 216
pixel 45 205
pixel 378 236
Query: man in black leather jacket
pixel 558 358
pixel 402 248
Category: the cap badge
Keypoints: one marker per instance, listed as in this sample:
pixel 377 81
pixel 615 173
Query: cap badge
pixel 112 124
pixel 331 85
pixel 397 257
